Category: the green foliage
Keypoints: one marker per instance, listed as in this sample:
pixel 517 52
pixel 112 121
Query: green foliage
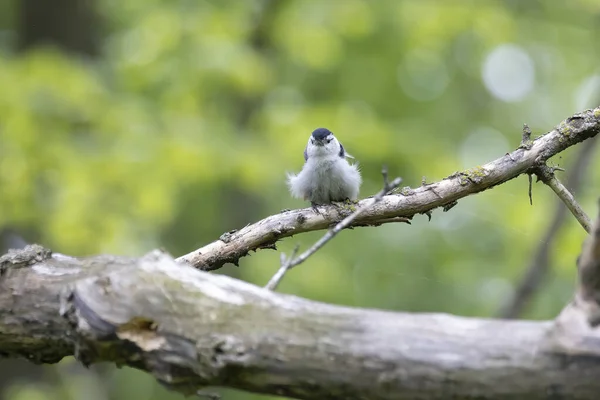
pixel 184 129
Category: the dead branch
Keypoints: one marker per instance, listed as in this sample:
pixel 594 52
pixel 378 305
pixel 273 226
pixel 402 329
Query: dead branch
pixel 546 175
pixel 409 202
pixel 191 329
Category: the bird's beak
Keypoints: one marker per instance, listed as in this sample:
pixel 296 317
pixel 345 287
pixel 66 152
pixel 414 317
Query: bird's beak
pixel 319 142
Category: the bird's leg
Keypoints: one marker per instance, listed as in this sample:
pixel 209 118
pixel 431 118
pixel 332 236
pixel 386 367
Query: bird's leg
pixel 315 207
pixel 339 205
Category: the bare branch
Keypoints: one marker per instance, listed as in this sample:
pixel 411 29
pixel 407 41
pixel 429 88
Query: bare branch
pixel 407 203
pixel 526 138
pixel 546 175
pixel 287 264
pixel 530 189
pixel 191 329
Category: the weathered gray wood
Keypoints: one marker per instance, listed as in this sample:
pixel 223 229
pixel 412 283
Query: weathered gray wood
pixel 192 329
pixel 409 202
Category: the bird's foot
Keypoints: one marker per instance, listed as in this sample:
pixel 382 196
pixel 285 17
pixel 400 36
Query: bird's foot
pixel 339 205
pixel 315 208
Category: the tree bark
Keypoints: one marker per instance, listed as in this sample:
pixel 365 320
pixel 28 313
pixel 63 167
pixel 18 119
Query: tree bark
pixel 192 329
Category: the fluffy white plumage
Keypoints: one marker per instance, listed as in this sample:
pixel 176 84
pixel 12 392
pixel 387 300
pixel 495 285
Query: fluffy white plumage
pixel 326 175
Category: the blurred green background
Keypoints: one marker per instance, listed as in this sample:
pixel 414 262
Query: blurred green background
pixel 131 125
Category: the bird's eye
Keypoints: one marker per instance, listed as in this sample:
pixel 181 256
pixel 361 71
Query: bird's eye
pixel 328 140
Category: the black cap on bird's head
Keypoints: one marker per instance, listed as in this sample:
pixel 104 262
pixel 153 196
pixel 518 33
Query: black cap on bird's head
pixel 323 142
pixel 321 133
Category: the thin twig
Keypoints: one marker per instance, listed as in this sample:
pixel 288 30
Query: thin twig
pixel 285 266
pixel 526 138
pixel 530 190
pixel 291 262
pixel 546 175
pixel 526 143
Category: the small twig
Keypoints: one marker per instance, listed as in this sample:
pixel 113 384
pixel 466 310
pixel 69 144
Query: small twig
pixel 530 190
pixel 526 144
pixel 526 138
pixel 526 133
pixel 291 262
pixel 285 266
pixel 546 175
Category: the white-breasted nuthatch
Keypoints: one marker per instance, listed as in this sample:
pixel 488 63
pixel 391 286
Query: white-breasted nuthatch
pixel 326 175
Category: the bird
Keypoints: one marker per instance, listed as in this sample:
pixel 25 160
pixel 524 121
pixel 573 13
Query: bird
pixel 326 176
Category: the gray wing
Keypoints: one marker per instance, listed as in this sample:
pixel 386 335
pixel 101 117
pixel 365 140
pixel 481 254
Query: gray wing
pixel 342 152
pixel 305 154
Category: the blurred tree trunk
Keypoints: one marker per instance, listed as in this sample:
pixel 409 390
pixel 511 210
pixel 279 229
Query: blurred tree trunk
pixel 71 25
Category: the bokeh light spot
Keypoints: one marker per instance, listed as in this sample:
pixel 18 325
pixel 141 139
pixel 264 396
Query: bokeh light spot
pixel 508 73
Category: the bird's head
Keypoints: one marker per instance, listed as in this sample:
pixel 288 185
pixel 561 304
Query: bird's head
pixel 323 143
